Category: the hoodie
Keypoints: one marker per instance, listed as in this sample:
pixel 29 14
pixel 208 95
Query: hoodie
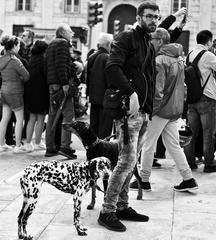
pixel 13 73
pixel 169 89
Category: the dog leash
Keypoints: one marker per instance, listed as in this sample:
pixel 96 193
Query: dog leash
pixel 99 189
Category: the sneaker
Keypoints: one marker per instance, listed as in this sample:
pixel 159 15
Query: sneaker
pixel 10 142
pixel 111 222
pixel 51 153
pixel 5 147
pixel 29 147
pixel 40 146
pixel 156 164
pixel 209 168
pixel 146 186
pixel 20 149
pixel 67 152
pixel 187 185
pixel 131 215
pixel 193 166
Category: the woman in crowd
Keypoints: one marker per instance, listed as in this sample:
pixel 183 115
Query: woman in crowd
pixel 14 74
pixel 36 96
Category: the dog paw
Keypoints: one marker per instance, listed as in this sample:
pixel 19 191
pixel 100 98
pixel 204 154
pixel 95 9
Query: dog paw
pixel 20 236
pixel 82 232
pixel 139 197
pixel 28 237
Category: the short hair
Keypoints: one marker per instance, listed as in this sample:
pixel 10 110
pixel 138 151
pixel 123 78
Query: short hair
pixel 163 34
pixel 105 38
pixel 39 47
pixel 9 42
pixel 60 31
pixel 204 36
pixel 31 34
pixel 147 5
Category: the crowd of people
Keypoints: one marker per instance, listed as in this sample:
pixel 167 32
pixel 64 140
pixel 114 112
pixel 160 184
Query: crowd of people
pixel 35 77
pixel 145 65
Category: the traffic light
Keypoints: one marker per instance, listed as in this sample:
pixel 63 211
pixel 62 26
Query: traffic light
pixel 116 27
pixel 95 12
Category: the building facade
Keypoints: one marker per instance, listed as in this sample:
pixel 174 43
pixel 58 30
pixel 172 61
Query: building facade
pixel 44 15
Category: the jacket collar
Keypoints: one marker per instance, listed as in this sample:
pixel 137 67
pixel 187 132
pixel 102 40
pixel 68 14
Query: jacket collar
pixel 143 33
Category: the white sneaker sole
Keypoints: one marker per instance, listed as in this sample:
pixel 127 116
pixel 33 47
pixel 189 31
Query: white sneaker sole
pixel 186 189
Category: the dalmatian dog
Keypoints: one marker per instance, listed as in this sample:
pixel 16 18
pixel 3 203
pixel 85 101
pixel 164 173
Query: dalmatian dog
pixel 74 178
pixel 96 147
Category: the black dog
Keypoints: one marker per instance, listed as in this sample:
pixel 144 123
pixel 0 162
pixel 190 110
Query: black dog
pixel 96 147
pixel 73 178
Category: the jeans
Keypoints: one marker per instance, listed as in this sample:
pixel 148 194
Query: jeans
pixel 203 112
pixel 68 115
pixel 118 187
pixel 169 131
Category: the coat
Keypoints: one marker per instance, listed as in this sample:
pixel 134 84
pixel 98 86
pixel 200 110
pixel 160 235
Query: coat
pixel 96 78
pixel 169 89
pixel 131 66
pixel 13 74
pixel 36 89
pixel 58 62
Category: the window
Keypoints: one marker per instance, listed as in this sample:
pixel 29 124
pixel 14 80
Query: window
pixel 24 5
pixel 72 6
pixel 177 4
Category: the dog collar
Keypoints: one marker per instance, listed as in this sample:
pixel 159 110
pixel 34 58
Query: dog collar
pixel 93 144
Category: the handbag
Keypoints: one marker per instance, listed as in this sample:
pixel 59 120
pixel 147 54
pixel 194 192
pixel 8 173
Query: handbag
pixel 117 105
pixel 112 103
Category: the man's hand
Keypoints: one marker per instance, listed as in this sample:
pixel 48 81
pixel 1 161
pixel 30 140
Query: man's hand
pixel 134 105
pixel 180 12
pixel 65 89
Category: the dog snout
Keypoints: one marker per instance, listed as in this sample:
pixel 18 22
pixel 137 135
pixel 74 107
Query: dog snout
pixel 106 176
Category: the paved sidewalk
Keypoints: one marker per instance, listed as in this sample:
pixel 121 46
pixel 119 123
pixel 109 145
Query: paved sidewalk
pixel 173 216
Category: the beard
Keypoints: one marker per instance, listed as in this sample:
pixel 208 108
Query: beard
pixel 149 28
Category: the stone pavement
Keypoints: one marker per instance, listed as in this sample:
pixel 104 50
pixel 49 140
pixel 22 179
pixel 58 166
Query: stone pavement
pixel 173 216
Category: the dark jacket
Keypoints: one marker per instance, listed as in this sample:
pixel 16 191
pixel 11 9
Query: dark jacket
pixel 131 66
pixel 36 89
pixel 96 78
pixel 58 62
pixel 166 23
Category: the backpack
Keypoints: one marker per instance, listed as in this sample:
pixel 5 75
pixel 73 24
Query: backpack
pixel 192 79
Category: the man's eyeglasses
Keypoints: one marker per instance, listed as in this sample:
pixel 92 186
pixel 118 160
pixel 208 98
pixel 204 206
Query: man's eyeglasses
pixel 151 16
pixel 155 38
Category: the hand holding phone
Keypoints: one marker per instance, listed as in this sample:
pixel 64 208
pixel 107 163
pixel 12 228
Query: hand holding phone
pixel 184 20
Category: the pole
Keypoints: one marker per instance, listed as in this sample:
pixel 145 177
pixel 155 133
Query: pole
pixel 90 36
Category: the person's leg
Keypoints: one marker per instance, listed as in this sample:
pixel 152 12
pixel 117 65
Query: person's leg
pixel 105 125
pixel 30 127
pixel 68 116
pixel 160 149
pixel 199 144
pixel 123 196
pixel 58 133
pixel 125 164
pixel 207 113
pixel 50 133
pixel 153 131
pixel 6 115
pixel 9 136
pixel 39 128
pixel 95 111
pixel 19 114
pixel 170 137
pixel 194 124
